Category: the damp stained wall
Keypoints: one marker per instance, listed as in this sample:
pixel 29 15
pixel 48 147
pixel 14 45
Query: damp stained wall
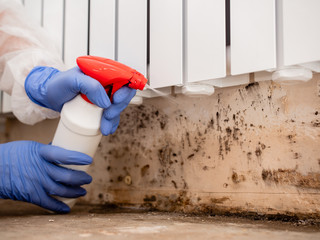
pixel 250 148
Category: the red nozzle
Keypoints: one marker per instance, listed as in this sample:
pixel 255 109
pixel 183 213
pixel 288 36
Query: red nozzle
pixel 138 81
pixel 111 74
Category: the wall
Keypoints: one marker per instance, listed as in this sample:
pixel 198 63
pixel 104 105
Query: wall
pixel 253 148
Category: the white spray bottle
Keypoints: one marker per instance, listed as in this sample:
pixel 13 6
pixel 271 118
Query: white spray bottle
pixel 79 126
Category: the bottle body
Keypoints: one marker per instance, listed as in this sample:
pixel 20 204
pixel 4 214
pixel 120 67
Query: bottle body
pixel 78 130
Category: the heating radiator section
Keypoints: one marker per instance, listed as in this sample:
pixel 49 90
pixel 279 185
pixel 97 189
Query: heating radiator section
pixel 181 42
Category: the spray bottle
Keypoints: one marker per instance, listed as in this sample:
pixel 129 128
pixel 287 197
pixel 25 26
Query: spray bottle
pixel 79 126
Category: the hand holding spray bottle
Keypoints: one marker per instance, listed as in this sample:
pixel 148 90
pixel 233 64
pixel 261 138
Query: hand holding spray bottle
pixel 79 126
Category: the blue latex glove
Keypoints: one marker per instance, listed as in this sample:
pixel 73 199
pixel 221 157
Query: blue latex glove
pixel 50 88
pixel 29 172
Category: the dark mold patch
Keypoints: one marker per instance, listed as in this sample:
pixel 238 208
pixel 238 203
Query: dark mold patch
pixel 100 196
pixel 292 138
pixel 258 152
pixel 164 155
pixel 251 86
pixel 237 178
pixel 219 200
pixel 152 198
pixel 292 177
pixel 315 123
pixel 190 156
pixel 144 170
pixel 174 184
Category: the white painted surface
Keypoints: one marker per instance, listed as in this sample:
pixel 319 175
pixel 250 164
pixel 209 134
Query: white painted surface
pixel 253 45
pixel 165 43
pixel 34 9
pixel 102 28
pixel 206 42
pixel 299 35
pixel 132 34
pixel 53 20
pixel 76 30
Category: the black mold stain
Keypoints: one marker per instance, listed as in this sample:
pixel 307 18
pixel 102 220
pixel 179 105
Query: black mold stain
pixel 174 184
pixel 237 178
pixel 292 177
pixel 258 152
pixel 315 123
pixel 144 170
pixel 152 198
pixel 251 86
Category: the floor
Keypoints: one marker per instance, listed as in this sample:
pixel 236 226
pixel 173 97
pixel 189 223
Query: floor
pixel 25 221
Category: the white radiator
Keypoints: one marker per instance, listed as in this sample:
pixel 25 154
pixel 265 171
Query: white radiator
pixel 176 42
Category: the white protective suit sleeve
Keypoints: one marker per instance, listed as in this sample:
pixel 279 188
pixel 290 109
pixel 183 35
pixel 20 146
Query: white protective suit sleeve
pixel 23 45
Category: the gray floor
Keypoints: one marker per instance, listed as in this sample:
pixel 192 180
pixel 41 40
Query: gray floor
pixel 25 221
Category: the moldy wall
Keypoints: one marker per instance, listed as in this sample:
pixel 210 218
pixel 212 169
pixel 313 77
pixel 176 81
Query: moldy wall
pixel 247 148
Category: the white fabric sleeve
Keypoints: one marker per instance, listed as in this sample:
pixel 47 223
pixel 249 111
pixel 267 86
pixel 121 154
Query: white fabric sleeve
pixel 23 45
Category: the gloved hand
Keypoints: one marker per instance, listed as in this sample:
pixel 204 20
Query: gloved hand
pixel 29 172
pixel 50 88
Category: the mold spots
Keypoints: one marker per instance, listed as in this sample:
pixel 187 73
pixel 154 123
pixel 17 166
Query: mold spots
pixel 292 138
pixel 219 200
pixel 174 202
pixel 100 196
pixel 218 121
pixel 162 124
pixel 315 123
pixel 205 168
pixel 297 155
pixel 164 155
pixel 144 170
pixel 174 184
pixel 228 131
pixel 236 178
pixel 258 152
pixel 151 198
pixel 252 86
pixel 211 124
pixel 291 177
pixel 266 174
pixel 190 156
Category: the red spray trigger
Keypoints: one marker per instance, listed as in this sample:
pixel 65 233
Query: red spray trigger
pixel 111 74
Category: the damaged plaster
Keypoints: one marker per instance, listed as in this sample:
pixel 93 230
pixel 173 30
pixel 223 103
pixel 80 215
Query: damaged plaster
pixel 247 148
pixel 251 148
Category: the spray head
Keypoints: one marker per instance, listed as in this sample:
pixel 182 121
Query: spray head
pixel 111 74
pixel 138 81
